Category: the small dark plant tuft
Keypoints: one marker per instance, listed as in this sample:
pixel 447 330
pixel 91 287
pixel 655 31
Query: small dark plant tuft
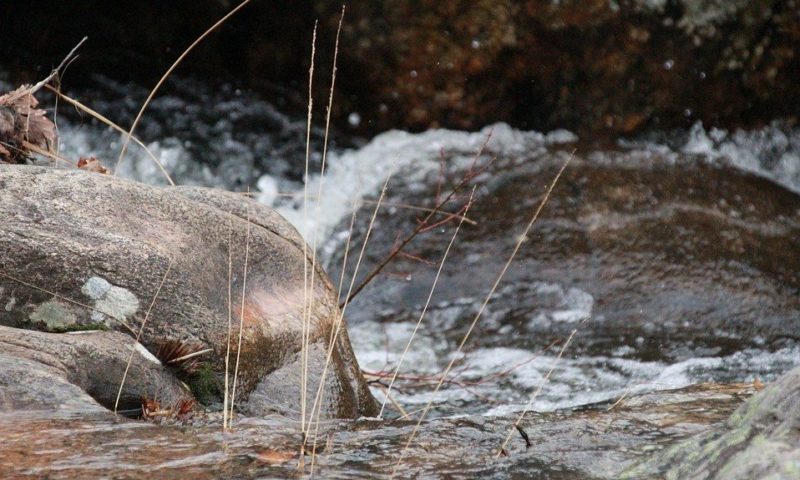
pixel 183 356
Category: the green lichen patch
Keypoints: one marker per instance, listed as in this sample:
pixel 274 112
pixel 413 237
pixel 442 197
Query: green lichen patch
pixel 54 314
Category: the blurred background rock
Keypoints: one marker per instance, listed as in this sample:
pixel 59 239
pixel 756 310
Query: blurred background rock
pixel 599 67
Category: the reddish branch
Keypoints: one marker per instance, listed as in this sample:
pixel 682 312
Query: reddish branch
pixel 424 225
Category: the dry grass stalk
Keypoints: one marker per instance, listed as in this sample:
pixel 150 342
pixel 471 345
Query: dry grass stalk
pixel 430 380
pixel 347 246
pixel 427 303
pixel 225 419
pixel 515 426
pixel 27 147
pixel 338 295
pixel 316 209
pixel 388 396
pixel 241 316
pixel 139 334
pixel 521 239
pixel 336 327
pixel 191 356
pixel 306 307
pixel 164 77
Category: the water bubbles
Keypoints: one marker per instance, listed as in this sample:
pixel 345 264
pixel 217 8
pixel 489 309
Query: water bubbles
pixel 669 64
pixel 475 44
pixel 354 119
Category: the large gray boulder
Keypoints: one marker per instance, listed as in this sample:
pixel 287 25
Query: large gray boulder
pixel 81 251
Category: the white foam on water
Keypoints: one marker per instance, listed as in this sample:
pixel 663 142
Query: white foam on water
pixel 354 174
pixel 584 380
pixel 571 304
pixel 501 380
pixel 772 151
pixel 105 145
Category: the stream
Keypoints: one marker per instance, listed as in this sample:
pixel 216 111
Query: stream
pixel 635 260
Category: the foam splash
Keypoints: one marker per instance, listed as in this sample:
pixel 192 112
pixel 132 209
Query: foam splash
pixel 772 152
pixel 501 380
pixel 354 174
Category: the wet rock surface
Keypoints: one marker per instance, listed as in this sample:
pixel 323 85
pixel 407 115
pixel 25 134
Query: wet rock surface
pixel 668 256
pixel 597 66
pixel 595 442
pixel 760 440
pixel 85 251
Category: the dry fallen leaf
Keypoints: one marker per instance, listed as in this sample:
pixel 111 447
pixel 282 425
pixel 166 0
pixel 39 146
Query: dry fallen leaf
pixel 21 121
pixel 91 164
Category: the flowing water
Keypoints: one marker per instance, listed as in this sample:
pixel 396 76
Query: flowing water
pixel 227 138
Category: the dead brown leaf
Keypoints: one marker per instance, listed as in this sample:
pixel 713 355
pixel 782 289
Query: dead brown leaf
pixel 91 164
pixel 21 121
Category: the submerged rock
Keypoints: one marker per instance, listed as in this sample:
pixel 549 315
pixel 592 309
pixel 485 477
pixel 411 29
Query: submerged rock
pixel 668 257
pixel 84 251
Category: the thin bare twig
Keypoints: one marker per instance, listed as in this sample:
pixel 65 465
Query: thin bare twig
pixel 53 74
pixel 521 239
pixel 422 225
pixel 423 209
pixel 427 303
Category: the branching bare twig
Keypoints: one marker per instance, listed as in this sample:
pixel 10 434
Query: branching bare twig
pixel 423 224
